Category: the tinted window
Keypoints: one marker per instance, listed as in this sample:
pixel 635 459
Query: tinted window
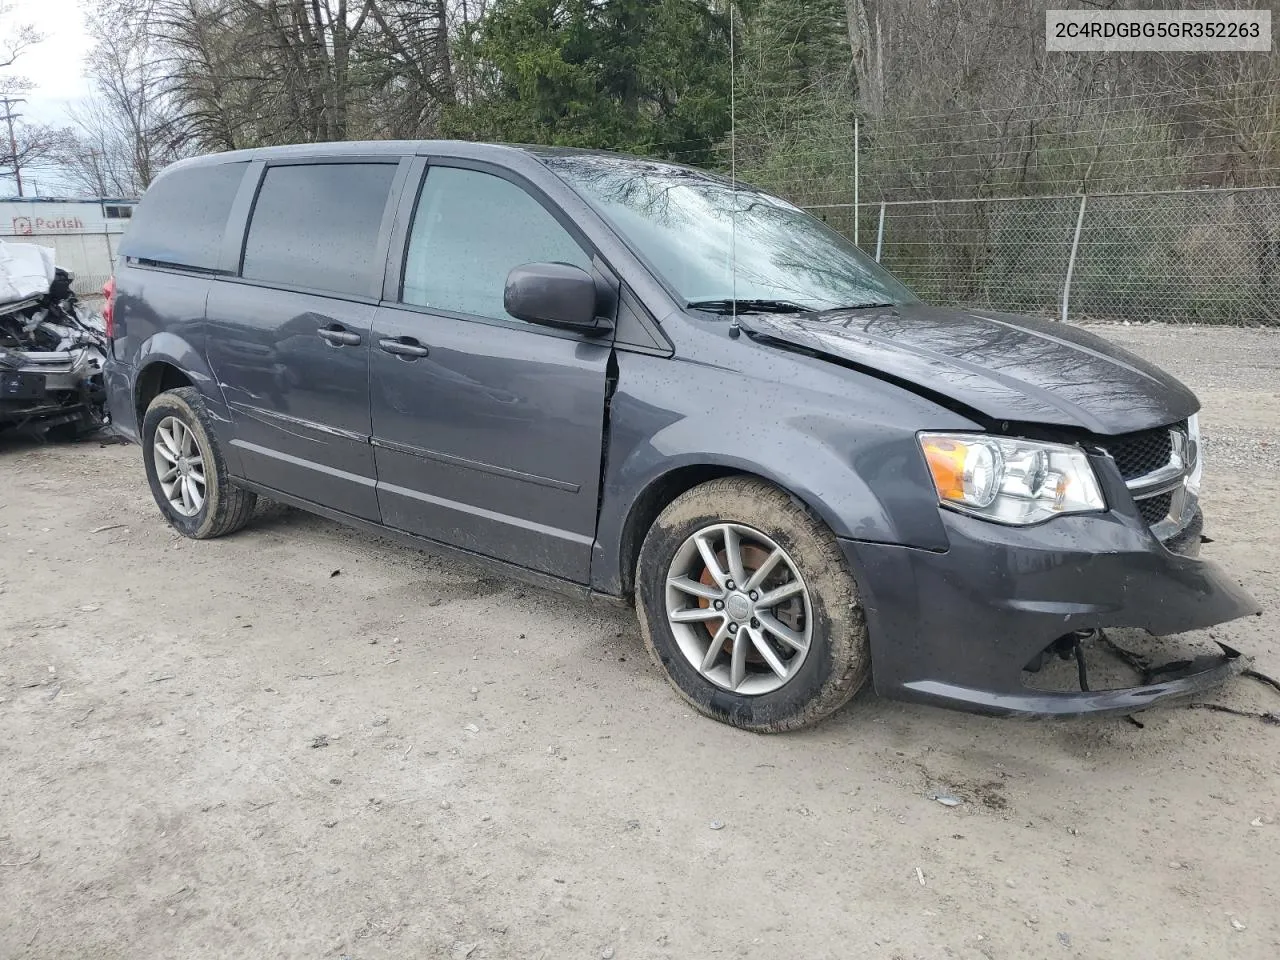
pixel 711 241
pixel 316 226
pixel 469 231
pixel 181 219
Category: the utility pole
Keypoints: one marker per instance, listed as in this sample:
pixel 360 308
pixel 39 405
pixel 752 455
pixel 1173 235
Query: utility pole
pixel 10 116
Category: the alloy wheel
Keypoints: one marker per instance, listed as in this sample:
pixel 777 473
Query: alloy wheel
pixel 739 609
pixel 179 465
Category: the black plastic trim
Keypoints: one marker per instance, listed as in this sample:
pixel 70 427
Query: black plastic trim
pixel 514 571
pixel 638 331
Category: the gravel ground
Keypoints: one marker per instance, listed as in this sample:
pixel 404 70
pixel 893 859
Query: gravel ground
pixel 229 749
pixel 1237 376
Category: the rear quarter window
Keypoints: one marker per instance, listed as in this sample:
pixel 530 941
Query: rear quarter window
pixel 181 219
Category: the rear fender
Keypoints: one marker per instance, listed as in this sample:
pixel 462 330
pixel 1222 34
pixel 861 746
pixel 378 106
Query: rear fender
pixel 171 349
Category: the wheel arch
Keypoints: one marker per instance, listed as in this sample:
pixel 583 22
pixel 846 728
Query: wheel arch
pixel 154 379
pixel 168 360
pixel 661 490
pixel 651 501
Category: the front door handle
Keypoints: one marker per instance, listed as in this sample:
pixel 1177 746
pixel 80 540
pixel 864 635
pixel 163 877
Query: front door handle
pixel 338 337
pixel 406 347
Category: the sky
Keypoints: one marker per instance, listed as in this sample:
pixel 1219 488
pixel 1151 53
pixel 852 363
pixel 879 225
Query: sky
pixel 53 66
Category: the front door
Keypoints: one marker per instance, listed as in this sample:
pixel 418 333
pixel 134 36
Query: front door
pixel 289 339
pixel 487 431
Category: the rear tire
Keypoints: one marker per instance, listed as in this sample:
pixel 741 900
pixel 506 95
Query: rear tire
pixel 802 658
pixel 194 493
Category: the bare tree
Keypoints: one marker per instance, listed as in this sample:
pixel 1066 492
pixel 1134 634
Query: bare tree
pixel 248 72
pixel 21 144
pixel 956 97
pixel 410 65
pixel 15 40
pixel 866 47
pixel 214 75
pixel 124 134
pixel 35 143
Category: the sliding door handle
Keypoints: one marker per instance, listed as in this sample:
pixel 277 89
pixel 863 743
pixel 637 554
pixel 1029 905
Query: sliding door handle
pixel 336 336
pixel 406 347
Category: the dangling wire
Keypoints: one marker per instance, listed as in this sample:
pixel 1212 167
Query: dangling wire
pixel 734 329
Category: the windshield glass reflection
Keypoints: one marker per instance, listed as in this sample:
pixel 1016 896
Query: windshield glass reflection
pixel 691 227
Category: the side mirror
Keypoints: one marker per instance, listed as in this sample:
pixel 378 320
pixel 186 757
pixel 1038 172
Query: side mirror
pixel 552 294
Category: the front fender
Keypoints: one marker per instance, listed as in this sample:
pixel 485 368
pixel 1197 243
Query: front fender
pixel 852 459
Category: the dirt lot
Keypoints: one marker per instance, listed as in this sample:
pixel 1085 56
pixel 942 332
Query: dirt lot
pixel 226 749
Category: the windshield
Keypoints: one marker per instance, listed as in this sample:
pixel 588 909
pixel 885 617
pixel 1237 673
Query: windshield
pixel 682 222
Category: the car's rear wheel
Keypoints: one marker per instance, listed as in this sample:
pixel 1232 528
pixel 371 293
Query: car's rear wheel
pixel 748 607
pixel 186 470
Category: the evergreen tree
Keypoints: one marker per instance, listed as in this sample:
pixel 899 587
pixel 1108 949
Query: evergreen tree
pixel 795 97
pixel 646 76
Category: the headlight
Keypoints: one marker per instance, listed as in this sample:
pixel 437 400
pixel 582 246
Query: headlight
pixel 1195 455
pixel 1008 480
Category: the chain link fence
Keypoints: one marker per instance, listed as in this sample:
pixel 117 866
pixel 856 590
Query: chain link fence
pixel 1189 256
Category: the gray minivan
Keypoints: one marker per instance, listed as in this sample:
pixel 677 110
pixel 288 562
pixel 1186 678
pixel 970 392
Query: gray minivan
pixel 638 380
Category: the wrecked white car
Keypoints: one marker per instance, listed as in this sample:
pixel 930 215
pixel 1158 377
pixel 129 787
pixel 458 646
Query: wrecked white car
pixel 50 356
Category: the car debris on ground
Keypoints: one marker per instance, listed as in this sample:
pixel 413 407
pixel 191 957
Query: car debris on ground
pixel 51 357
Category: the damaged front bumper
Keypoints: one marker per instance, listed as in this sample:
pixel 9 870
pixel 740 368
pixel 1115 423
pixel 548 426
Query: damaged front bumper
pixel 960 628
pixel 51 359
pixel 47 388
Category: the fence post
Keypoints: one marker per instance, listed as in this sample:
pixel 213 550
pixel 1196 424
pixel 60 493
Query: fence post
pixel 1071 261
pixel 855 181
pixel 880 233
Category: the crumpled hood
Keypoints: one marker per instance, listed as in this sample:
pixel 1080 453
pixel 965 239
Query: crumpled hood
pixel 1003 366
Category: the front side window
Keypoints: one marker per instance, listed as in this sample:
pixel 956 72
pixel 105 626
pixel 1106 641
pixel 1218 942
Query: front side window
pixel 317 226
pixel 470 229
pixel 712 242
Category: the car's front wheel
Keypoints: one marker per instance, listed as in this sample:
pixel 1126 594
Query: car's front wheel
pixel 748 607
pixel 186 469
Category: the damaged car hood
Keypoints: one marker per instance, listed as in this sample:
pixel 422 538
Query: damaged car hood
pixel 1004 367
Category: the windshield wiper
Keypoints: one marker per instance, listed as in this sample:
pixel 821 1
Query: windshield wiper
pixel 748 306
pixel 860 306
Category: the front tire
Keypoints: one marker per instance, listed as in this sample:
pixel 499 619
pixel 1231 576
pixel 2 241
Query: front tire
pixel 748 607
pixel 186 470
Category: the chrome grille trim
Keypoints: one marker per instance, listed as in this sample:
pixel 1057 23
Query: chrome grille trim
pixel 1167 482
pixel 1166 478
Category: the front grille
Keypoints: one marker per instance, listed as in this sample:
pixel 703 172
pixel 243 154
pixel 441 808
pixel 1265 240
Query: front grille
pixel 1137 454
pixel 1154 509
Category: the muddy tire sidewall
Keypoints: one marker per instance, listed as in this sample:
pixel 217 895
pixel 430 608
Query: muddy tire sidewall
pixel 838 661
